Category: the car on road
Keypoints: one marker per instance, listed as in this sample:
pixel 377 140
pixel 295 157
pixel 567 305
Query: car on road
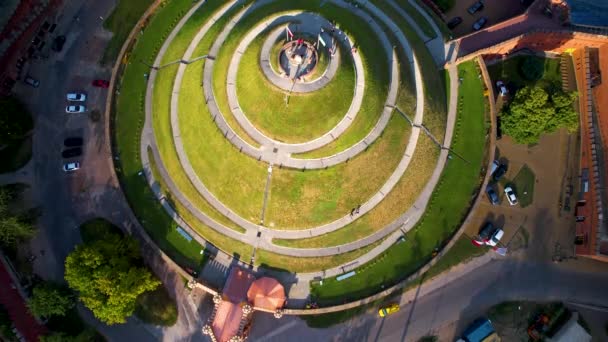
pixel 476 7
pixel 78 97
pixel 500 171
pixel 511 197
pixel 58 42
pixel 32 81
pixel 485 234
pixel 480 23
pixel 72 152
pixel 72 142
pixel 69 167
pixel 502 88
pixel 495 238
pixel 101 83
pixel 492 195
pixel 388 310
pixel 454 22
pixel 75 109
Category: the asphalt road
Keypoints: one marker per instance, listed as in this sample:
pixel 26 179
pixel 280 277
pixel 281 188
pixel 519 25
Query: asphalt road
pixel 447 311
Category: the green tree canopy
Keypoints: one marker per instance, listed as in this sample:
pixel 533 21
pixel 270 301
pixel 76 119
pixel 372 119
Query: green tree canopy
pixel 87 335
pixel 49 300
pixel 15 120
pixel 13 228
pixel 534 112
pixel 109 276
pixel 532 68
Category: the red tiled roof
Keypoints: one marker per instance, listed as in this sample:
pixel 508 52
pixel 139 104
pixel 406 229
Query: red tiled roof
pixel 227 321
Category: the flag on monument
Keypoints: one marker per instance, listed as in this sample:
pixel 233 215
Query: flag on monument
pixel 321 40
pixel 288 33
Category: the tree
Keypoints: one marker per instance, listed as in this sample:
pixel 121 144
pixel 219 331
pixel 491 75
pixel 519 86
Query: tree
pixel 48 300
pixel 532 68
pixel 533 112
pixel 13 229
pixel 15 120
pixel 87 335
pixel 109 277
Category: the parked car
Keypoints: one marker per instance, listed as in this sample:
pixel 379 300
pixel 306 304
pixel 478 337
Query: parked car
pixel 101 83
pixel 69 167
pixel 73 142
pixel 388 310
pixel 76 97
pixel 75 109
pixel 495 238
pixel 480 23
pixel 484 235
pixel 72 152
pixel 500 171
pixel 476 7
pixel 511 197
pixel 58 43
pixel 32 81
pixel 454 22
pixel 492 195
pixel 502 88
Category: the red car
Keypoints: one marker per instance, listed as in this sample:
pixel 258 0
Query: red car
pixel 101 83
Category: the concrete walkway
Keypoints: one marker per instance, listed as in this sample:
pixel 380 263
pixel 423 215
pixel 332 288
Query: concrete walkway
pixel 284 82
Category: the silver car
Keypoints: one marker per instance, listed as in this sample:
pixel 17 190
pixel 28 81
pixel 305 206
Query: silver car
pixel 76 97
pixel 75 109
pixel 69 167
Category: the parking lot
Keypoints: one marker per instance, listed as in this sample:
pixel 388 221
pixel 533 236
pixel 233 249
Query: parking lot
pixel 495 10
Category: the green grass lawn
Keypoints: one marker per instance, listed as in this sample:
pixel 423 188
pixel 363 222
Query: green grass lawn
pixel 120 23
pixel 523 185
pixel 129 115
pixel 448 205
pixel 509 72
pixel 307 116
pixel 434 80
pixel 398 201
pixel 305 199
pixel 424 25
pixel 375 61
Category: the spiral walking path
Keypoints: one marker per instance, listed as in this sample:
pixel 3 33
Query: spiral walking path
pixel 405 222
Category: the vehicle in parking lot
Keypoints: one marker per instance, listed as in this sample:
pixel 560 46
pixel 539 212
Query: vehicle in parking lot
pixel 69 167
pixel 58 43
pixel 388 310
pixel 76 97
pixel 72 152
pixel 476 7
pixel 492 195
pixel 480 23
pixel 75 109
pixel 73 142
pixel 511 197
pixel 32 81
pixel 454 22
pixel 101 83
pixel 500 171
pixel 495 238
pixel 484 234
pixel 502 88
